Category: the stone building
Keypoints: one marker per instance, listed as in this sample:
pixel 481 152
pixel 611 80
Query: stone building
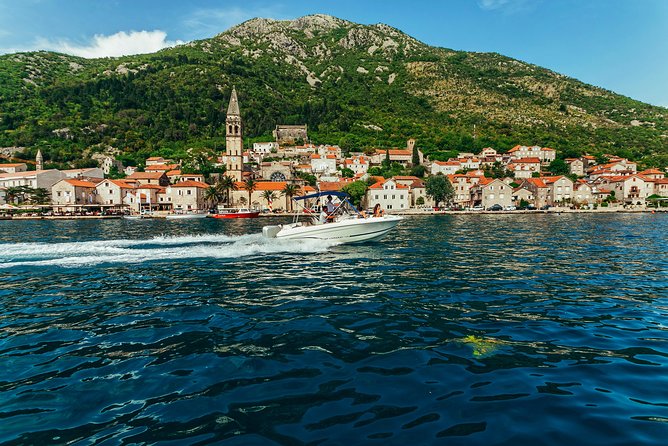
pixel 290 134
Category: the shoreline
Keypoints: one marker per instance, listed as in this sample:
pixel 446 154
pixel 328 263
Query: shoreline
pixel 406 213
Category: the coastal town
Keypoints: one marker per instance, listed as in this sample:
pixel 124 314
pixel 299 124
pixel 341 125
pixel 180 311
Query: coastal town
pixel 269 174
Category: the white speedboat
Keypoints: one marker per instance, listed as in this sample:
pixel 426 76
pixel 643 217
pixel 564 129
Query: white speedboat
pixel 344 225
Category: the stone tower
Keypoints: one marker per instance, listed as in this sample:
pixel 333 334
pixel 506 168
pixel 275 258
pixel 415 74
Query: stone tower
pixel 39 160
pixel 234 139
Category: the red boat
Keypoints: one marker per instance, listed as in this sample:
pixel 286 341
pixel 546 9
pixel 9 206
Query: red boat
pixel 236 213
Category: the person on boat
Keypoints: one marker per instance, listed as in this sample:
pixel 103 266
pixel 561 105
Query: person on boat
pixel 329 208
pixel 330 205
pixel 377 211
pixel 323 215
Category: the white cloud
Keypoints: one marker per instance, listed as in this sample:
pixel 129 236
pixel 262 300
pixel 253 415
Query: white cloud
pixel 209 22
pixel 120 44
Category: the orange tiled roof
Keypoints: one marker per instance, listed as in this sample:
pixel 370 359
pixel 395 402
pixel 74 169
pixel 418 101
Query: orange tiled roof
pixel 381 184
pixel 529 160
pixel 122 184
pixel 12 165
pixel 644 172
pixel 264 185
pixel 538 182
pixel 146 175
pixel 190 183
pixel 81 183
pixel 159 167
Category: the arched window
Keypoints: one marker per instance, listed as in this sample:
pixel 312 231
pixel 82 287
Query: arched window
pixel 236 129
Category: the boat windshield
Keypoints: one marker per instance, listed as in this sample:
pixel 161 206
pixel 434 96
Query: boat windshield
pixel 314 208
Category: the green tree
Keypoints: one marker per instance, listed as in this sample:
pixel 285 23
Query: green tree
pixel 416 157
pixel 559 167
pixel 311 180
pixel 249 186
pixel 115 174
pixel 289 191
pixel 419 171
pixel 439 188
pixel 228 184
pixel 347 173
pixel 214 194
pixel 40 195
pixel 269 197
pixel 356 190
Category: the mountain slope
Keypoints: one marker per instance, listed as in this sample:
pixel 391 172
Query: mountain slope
pixel 354 85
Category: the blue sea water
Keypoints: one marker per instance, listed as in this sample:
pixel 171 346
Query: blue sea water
pixel 466 329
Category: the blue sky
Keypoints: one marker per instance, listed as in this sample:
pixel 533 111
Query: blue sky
pixel 621 45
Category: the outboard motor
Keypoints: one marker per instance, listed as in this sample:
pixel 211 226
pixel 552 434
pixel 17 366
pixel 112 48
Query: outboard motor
pixel 270 231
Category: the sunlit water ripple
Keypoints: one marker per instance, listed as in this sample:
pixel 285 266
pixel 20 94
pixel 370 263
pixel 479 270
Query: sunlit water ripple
pixel 502 329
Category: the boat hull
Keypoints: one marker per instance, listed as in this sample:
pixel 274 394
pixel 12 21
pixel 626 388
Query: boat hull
pixel 237 215
pixel 346 231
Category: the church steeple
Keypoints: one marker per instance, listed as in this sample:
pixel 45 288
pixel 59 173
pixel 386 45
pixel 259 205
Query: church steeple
pixel 233 108
pixel 39 160
pixel 233 138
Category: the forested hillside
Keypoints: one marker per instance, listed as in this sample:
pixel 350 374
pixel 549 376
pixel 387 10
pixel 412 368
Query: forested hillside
pixel 354 85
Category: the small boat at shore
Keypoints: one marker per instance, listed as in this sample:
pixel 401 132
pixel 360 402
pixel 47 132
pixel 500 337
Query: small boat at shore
pixel 236 213
pixel 344 225
pixel 188 216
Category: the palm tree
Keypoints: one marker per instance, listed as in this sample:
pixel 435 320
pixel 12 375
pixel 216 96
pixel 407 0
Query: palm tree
pixel 214 194
pixel 40 196
pixel 11 193
pixel 269 196
pixel 289 191
pixel 227 184
pixel 17 194
pixel 250 185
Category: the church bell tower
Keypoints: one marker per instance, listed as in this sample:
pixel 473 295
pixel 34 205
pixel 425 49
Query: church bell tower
pixel 233 139
pixel 39 160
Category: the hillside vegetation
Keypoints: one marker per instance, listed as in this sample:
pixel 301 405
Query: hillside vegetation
pixel 354 85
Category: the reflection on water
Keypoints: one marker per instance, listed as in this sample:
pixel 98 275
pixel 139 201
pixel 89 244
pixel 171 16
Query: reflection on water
pixel 501 329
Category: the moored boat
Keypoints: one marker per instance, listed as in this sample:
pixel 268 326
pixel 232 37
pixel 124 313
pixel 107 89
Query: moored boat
pixel 236 213
pixel 188 216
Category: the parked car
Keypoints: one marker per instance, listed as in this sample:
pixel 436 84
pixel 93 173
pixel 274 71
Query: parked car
pixel 495 207
pixel 478 208
pixel 510 208
pixel 545 208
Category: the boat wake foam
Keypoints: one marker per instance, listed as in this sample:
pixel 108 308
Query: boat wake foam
pixel 161 248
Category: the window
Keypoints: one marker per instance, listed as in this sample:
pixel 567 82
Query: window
pixel 190 192
pixel 393 197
